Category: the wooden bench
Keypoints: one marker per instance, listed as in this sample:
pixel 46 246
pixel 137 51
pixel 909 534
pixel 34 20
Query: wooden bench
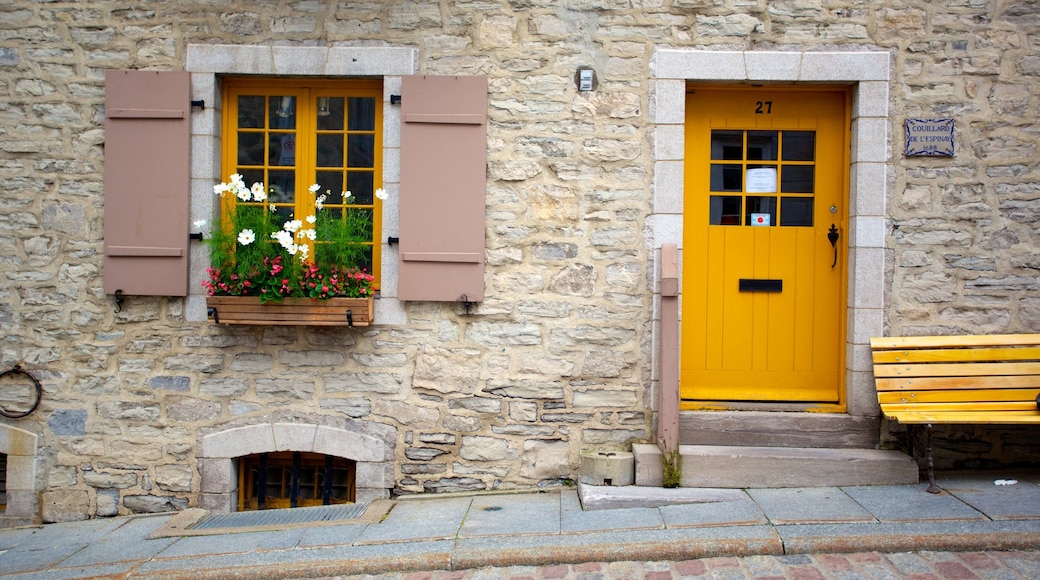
pixel 926 380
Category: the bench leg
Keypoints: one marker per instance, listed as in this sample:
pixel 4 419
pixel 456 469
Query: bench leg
pixel 932 488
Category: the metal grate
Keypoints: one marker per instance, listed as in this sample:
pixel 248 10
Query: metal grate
pixel 282 517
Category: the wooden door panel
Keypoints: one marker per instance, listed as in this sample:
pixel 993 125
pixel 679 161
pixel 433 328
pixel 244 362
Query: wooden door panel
pixel 777 343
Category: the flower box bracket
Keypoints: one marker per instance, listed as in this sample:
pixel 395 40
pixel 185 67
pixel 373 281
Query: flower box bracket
pixel 349 312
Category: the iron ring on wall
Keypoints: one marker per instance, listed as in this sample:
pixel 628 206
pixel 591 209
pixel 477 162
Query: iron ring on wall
pixel 38 393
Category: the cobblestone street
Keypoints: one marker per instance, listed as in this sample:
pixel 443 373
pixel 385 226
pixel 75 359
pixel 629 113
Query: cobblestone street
pixel 868 565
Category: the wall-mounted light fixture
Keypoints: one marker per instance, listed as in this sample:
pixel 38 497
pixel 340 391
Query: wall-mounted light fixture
pixel 585 78
pixel 286 108
pixel 323 107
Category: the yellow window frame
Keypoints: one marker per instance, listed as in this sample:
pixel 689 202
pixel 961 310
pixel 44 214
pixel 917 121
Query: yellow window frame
pixel 307 94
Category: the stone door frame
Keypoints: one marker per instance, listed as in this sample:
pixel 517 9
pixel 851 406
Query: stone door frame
pixel 868 73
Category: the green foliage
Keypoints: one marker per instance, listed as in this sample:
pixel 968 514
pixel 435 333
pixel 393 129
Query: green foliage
pixel 256 251
pixel 671 463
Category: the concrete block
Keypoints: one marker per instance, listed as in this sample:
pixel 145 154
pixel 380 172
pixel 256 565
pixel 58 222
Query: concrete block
pixel 607 468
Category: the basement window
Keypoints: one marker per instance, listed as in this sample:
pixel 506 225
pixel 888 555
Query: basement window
pixel 289 479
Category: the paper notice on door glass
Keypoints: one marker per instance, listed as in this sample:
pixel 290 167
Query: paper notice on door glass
pixel 761 180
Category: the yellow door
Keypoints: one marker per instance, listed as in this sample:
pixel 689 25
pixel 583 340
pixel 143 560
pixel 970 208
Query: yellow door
pixel 763 284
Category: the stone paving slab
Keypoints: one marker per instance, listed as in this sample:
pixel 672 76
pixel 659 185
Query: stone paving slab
pixel 22 560
pixel 901 503
pixel 602 497
pixel 805 505
pixel 999 502
pixel 507 515
pixel 437 519
pixel 742 512
pixel 573 519
pixel 330 535
pixel 123 545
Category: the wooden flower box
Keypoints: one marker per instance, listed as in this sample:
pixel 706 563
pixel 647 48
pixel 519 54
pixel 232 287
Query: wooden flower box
pixel 291 311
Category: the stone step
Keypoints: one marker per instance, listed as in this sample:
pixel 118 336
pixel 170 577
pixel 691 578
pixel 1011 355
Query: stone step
pixel 778 429
pixel 729 466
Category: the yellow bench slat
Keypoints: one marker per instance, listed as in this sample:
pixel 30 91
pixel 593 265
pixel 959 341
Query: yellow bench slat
pixel 958 396
pixel 957 370
pixel 989 379
pixel 956 383
pixel 967 417
pixel 894 342
pixel 957 355
pixel 948 407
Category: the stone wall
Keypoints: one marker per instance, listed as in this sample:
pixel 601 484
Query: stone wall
pixel 558 358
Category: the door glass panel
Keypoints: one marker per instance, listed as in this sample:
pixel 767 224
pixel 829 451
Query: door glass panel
pixel 727 145
pixel 761 205
pixel 797 179
pixel 725 210
pixel 796 211
pixel 726 177
pixel 761 178
pixel 762 145
pixel 799 145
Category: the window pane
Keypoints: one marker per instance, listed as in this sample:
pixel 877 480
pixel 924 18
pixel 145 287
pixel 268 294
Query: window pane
pixel 282 187
pixel 762 205
pixel 360 185
pixel 796 211
pixel 250 148
pixel 283 113
pixel 726 177
pixel 251 176
pixel 330 150
pixel 762 145
pixel 724 210
pixel 727 145
pixel 362 114
pixel 330 113
pixel 797 179
pixel 282 149
pixel 251 112
pixel 361 150
pixel 331 184
pixel 799 145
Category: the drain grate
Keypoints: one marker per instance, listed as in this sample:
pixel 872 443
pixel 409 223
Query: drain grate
pixel 282 517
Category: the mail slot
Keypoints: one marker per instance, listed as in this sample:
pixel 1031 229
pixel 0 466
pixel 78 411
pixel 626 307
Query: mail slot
pixel 761 285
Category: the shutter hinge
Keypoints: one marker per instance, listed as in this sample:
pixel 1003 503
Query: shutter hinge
pixel 201 103
pixel 395 99
pixel 391 240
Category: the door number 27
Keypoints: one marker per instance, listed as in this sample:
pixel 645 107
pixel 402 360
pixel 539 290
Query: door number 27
pixel 763 107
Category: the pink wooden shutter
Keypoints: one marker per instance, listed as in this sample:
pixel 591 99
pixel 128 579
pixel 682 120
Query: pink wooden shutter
pixel 147 182
pixel 443 188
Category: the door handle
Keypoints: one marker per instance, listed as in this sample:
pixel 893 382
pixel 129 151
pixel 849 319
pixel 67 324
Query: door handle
pixel 832 237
